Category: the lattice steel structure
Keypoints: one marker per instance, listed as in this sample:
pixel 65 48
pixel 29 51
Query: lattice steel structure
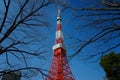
pixel 60 69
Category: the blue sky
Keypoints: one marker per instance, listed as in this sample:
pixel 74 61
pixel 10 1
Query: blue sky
pixel 82 69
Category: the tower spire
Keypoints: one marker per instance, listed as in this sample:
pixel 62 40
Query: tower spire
pixel 59 33
pixel 60 69
pixel 58 12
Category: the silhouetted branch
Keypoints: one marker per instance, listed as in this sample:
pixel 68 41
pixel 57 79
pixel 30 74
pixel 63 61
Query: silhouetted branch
pixel 7 59
pixel 102 53
pixel 22 34
pixel 5 15
pixel 103 18
pixel 98 36
pixel 108 3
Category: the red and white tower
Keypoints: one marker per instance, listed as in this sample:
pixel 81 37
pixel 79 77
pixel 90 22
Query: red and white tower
pixel 60 69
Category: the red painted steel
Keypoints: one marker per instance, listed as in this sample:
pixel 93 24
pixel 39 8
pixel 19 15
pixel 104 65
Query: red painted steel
pixel 59 28
pixel 60 69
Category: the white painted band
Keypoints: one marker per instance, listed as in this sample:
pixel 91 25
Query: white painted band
pixel 59 45
pixel 59 34
pixel 59 22
pixel 58 17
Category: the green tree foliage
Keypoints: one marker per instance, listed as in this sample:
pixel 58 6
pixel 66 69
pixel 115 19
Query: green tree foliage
pixel 111 65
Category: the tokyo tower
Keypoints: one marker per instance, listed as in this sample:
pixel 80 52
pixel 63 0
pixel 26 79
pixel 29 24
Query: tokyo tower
pixel 60 69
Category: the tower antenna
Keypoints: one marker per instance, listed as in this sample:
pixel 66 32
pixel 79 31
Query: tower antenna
pixel 60 69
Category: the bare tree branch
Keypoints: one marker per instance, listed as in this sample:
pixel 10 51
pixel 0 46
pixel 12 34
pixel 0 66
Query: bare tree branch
pixel 107 3
pixel 5 15
pixel 98 36
pixel 7 59
pixel 104 18
pixel 102 53
pixel 17 30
